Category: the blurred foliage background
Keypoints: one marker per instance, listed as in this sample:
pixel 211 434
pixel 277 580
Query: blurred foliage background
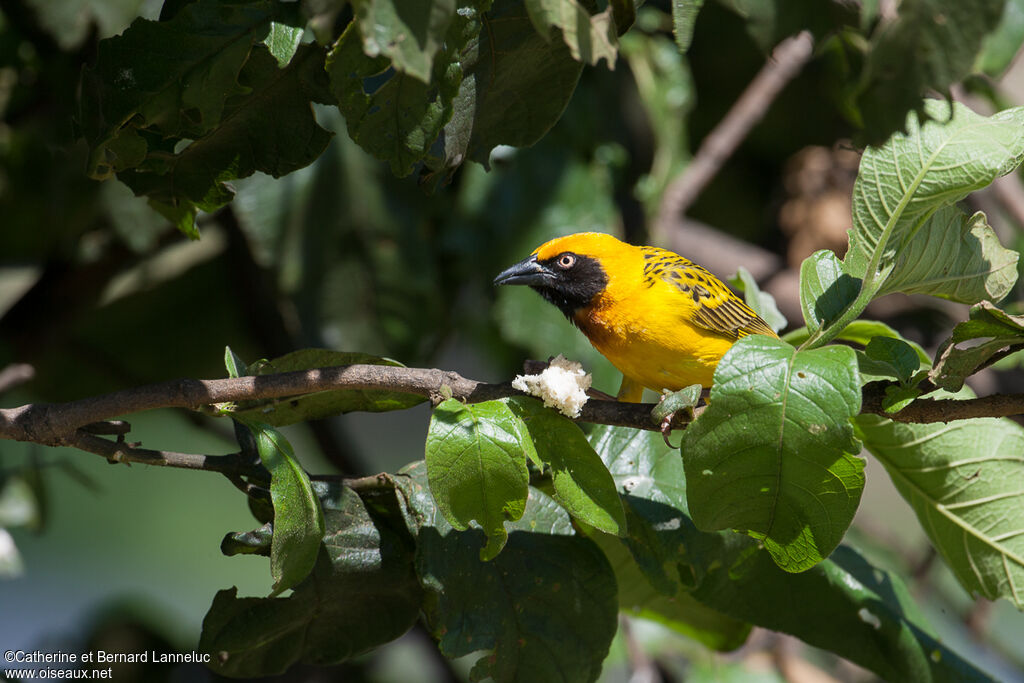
pixel 98 292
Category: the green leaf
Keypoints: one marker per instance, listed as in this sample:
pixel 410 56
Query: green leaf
pixel 898 397
pixel 651 565
pixel 256 542
pixel 930 45
pixel 283 41
pixel 825 290
pixel 905 227
pixel 476 462
pixel 785 471
pixel 684 16
pixel 409 34
pixel 956 257
pixel 963 480
pixel 365 568
pixel 763 303
pixel 515 86
pixel 322 404
pixel 897 354
pixel 990 330
pixel 235 366
pixel 400 119
pixel 590 37
pixel 173 77
pixel 546 605
pixel 298 518
pixel 907 236
pixel 582 484
pixel 847 606
pixel 1000 47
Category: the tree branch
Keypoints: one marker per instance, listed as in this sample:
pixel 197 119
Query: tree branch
pixel 786 61
pixel 75 423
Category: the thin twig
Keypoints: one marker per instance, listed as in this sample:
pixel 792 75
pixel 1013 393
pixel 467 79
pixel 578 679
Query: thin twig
pixel 786 61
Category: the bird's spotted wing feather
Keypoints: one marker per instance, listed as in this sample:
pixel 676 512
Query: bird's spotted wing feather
pixel 716 307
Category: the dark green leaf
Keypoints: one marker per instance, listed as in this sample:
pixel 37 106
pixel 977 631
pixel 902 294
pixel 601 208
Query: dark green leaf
pixel 989 330
pixel 399 119
pixel 515 86
pixel 963 480
pixel 409 34
pixel 847 606
pixel 582 484
pixel 325 403
pixel 651 565
pixel 546 605
pixel 825 290
pixel 256 542
pixel 362 593
pixel 298 518
pixel 270 128
pixel 774 454
pixel 170 76
pixel 476 459
pixel 897 354
pixel 930 45
pixel 590 37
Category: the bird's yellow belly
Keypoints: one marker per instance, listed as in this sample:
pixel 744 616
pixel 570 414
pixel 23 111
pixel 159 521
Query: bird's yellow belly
pixel 659 356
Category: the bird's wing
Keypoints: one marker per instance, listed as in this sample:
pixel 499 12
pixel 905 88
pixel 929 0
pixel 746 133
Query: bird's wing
pixel 716 307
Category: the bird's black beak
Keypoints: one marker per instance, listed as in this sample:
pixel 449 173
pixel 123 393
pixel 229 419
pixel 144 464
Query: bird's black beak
pixel 526 272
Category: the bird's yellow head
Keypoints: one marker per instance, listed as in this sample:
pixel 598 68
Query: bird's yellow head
pixel 569 271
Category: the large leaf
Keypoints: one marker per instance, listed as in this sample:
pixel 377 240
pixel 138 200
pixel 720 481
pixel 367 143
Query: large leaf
pixel 930 45
pixel 410 34
pixel 844 605
pixel 581 482
pixel 774 454
pixel 515 85
pixel 825 290
pixel 476 460
pixel 651 564
pixel 398 120
pixel 902 184
pixel 279 412
pixel 298 517
pixel 177 107
pixel 907 236
pixel 365 568
pixel 964 480
pixel 989 332
pixel 590 37
pixel 546 605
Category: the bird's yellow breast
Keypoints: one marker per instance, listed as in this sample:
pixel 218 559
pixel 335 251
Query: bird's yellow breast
pixel 646 333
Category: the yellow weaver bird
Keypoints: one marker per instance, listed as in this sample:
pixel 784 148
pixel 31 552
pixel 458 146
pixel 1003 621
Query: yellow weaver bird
pixel 661 319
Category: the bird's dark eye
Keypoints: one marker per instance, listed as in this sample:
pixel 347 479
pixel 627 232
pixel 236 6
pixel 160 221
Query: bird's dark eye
pixel 566 261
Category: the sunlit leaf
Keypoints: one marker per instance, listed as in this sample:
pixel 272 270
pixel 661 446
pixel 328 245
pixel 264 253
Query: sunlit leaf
pixel 787 472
